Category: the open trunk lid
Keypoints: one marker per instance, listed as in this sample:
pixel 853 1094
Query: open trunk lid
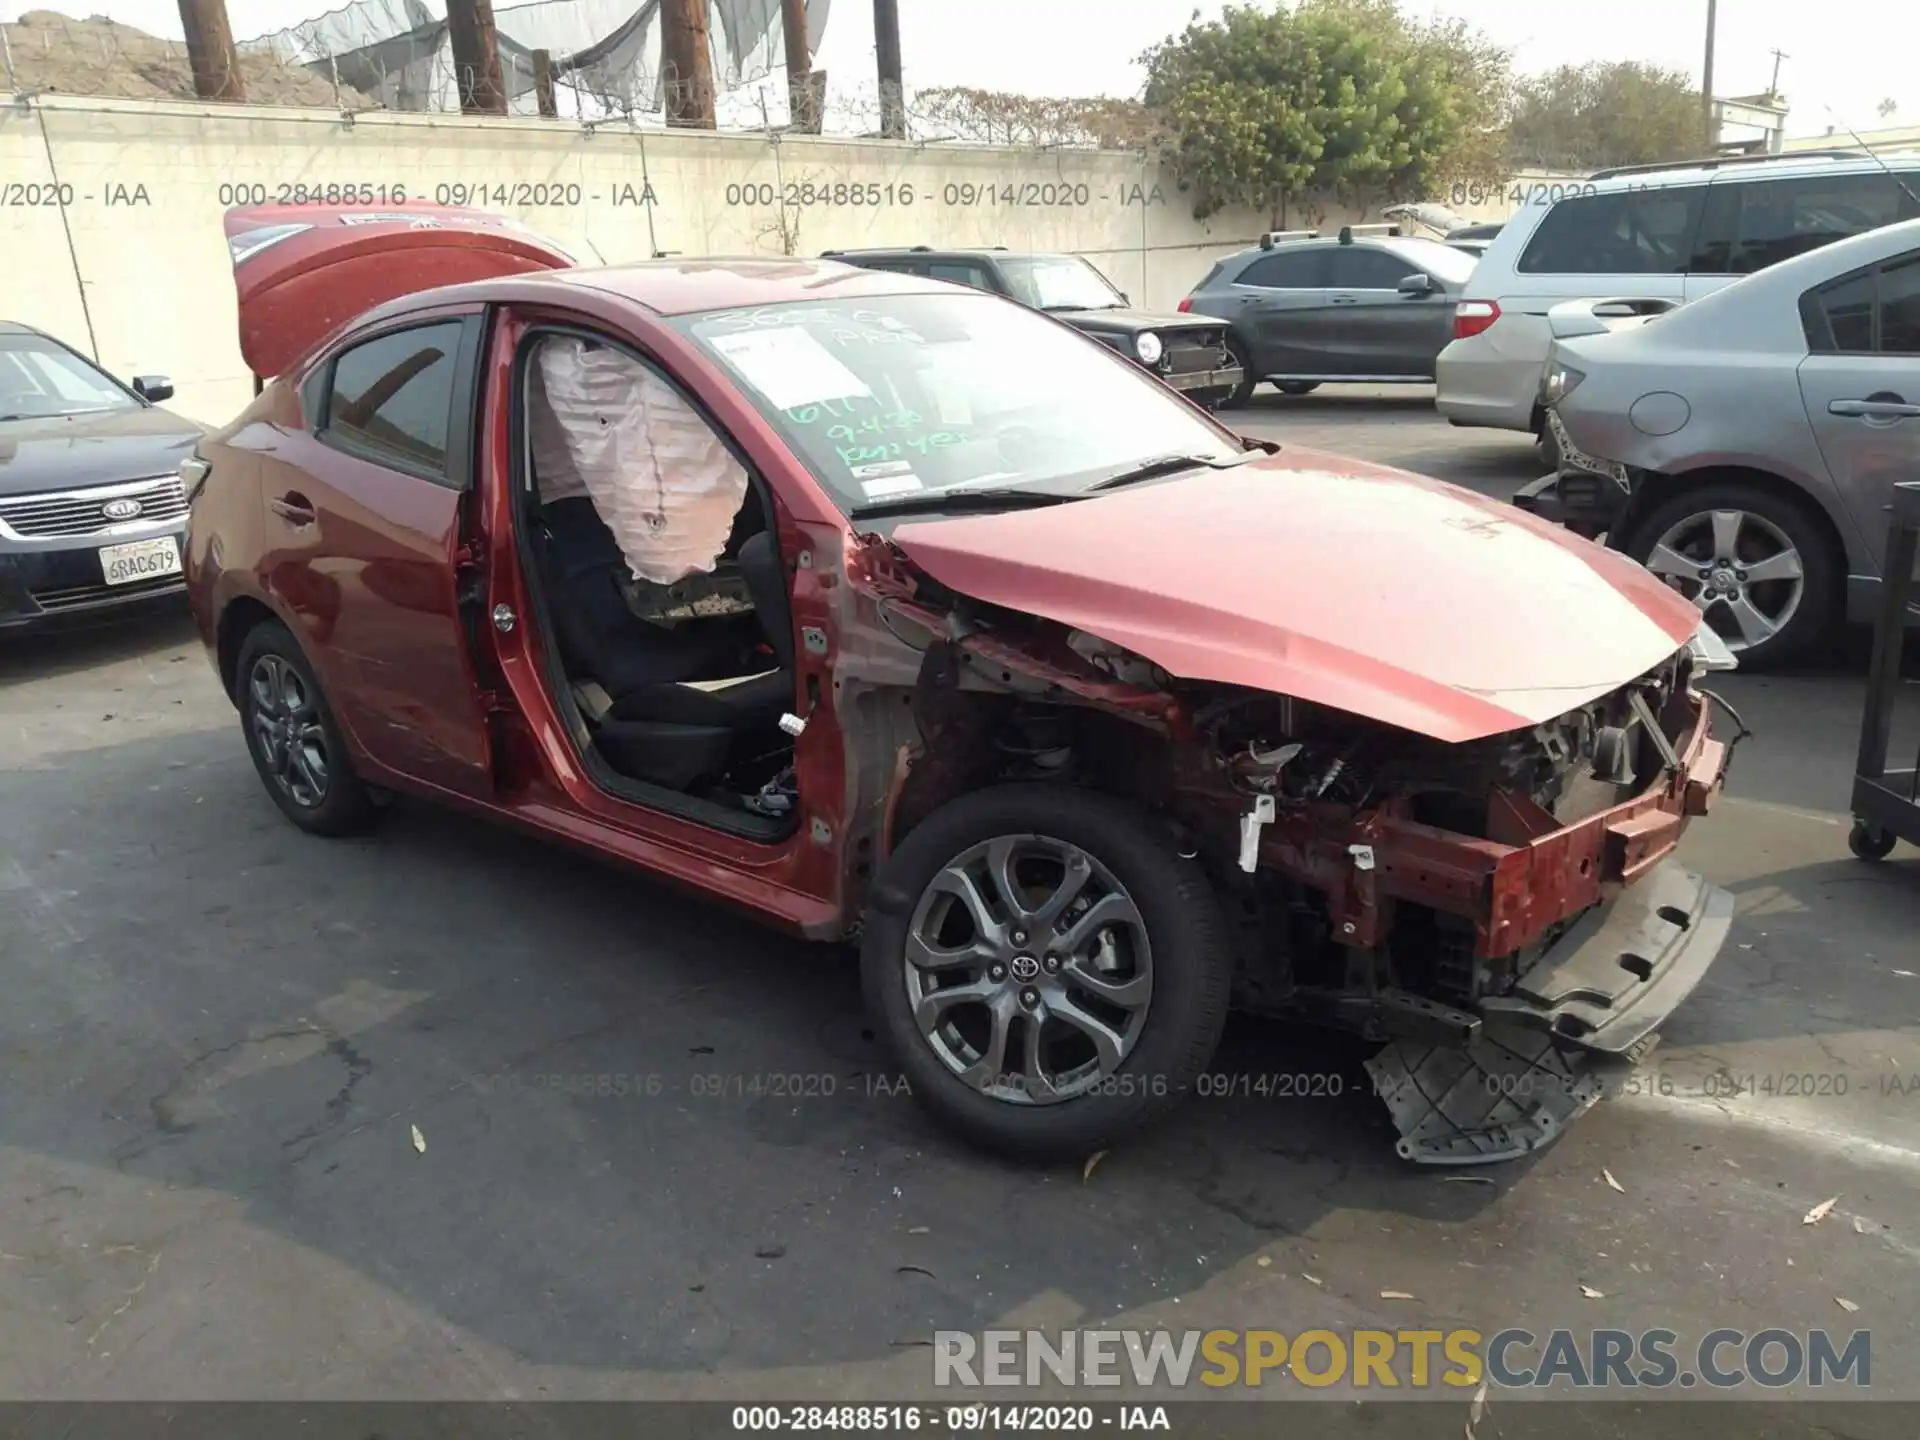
pixel 302 271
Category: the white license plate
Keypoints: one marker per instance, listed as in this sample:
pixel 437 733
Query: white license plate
pixel 139 560
pixel 1572 459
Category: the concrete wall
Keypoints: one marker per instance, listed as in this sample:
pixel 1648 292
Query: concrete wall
pixel 120 202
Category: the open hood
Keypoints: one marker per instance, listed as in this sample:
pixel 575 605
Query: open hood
pixel 301 271
pixel 1374 591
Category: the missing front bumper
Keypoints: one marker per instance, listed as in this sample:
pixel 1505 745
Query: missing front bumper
pixel 1226 378
pixel 1600 993
pixel 1493 1099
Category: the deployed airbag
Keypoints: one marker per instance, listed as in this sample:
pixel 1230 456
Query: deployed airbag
pixel 603 424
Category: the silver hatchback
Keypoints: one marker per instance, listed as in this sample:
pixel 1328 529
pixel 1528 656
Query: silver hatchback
pixel 1744 447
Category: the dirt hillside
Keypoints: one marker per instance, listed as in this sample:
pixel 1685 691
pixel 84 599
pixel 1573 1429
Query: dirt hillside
pixel 50 51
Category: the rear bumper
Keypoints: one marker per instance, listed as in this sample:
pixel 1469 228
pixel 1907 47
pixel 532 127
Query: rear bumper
pixel 1477 384
pixel 1623 968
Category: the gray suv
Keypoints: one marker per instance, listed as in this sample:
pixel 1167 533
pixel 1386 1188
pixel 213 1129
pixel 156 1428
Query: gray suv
pixel 1307 310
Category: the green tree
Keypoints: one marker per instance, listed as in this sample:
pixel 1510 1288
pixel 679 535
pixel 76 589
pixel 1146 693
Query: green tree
pixel 1265 107
pixel 1619 112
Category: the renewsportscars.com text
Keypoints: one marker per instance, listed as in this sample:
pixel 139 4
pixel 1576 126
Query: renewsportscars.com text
pixel 1412 1359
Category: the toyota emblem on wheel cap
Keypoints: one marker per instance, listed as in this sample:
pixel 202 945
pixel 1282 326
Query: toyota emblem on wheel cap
pixel 121 509
pixel 1025 967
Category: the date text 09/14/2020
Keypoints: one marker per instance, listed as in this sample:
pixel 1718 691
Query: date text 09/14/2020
pixel 567 195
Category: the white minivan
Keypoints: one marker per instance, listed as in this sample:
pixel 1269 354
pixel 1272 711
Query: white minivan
pixel 1655 236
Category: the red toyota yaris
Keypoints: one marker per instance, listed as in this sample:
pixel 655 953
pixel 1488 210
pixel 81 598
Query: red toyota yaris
pixel 888 609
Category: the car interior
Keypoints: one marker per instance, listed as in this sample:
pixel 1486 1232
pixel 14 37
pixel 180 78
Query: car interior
pixel 676 682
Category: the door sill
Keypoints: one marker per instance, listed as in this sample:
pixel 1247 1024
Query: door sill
pixel 743 824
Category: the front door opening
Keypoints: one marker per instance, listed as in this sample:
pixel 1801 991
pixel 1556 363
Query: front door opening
pixel 659 577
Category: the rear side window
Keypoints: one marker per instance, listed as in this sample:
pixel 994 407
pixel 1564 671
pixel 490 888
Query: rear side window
pixel 392 396
pixel 1289 270
pixel 1622 232
pixel 1751 225
pixel 1871 312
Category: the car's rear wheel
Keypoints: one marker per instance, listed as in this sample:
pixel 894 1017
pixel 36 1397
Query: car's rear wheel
pixel 1047 971
pixel 1242 392
pixel 1298 387
pixel 291 734
pixel 1759 566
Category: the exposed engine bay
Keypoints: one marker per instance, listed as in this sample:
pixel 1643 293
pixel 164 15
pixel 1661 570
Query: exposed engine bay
pixel 1447 900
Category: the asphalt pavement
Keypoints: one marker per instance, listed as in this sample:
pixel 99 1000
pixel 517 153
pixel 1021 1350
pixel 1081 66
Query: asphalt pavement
pixel 448 1113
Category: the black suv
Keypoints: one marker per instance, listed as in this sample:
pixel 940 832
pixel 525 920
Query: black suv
pixel 1187 352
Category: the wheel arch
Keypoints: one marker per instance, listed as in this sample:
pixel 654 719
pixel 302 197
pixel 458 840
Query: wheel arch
pixel 238 619
pixel 1668 487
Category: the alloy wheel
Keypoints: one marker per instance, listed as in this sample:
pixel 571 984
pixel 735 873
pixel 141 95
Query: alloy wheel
pixel 1028 969
pixel 1742 570
pixel 288 731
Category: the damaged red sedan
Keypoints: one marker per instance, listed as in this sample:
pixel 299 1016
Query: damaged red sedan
pixel 895 611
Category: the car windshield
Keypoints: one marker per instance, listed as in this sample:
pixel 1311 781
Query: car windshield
pixel 1059 282
pixel 39 378
pixel 904 396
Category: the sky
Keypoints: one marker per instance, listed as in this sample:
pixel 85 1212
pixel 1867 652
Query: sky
pixel 1835 74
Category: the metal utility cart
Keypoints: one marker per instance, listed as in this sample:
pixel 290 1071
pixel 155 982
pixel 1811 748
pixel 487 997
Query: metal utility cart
pixel 1886 803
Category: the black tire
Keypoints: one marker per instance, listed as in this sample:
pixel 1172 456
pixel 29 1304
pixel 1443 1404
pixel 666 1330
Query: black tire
pixel 343 806
pixel 1296 387
pixel 1869 842
pixel 1812 619
pixel 1186 937
pixel 1243 392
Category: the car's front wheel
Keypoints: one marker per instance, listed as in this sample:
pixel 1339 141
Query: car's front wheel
pixel 1297 387
pixel 1759 566
pixel 292 736
pixel 1048 972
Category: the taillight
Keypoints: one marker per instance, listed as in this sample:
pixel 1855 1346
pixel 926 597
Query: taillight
pixel 1472 317
pixel 1185 307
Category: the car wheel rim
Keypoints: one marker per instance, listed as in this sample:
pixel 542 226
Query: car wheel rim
pixel 1739 568
pixel 1028 970
pixel 287 730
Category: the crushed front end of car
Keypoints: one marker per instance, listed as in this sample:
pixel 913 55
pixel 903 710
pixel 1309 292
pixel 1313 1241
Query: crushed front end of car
pixel 1503 914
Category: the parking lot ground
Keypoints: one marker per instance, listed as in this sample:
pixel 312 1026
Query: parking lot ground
pixel 218 1038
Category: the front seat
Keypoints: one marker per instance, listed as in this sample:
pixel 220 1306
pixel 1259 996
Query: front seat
pixel 679 733
pixel 600 638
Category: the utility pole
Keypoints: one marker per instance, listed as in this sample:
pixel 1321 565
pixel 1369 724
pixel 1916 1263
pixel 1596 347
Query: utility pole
pixel 1773 87
pixel 793 16
pixel 1706 80
pixel 886 44
pixel 543 83
pixel 210 52
pixel 686 63
pixel 476 57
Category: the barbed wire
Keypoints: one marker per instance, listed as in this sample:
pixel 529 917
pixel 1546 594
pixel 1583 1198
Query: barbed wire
pixel 47 52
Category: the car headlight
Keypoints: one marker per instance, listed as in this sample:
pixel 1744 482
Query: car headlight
pixel 1560 382
pixel 1149 349
pixel 1710 650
